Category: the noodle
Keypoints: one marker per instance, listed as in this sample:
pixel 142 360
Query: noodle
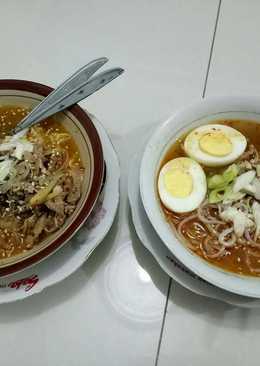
pixel 180 228
pixel 227 243
pixel 209 219
pixel 185 221
pixel 205 246
pixel 208 231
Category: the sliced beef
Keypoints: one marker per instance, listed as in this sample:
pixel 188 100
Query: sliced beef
pixel 29 224
pixel 75 193
pixel 56 204
pixel 39 226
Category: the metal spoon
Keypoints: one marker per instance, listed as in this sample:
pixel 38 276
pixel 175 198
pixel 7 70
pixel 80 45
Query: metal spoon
pixel 77 87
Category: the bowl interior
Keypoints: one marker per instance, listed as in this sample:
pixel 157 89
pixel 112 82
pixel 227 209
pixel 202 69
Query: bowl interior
pixel 76 129
pixel 199 113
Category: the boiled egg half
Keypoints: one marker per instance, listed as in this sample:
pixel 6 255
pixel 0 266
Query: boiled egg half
pixel 182 185
pixel 215 145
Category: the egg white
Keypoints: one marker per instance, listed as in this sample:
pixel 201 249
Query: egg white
pixel 193 150
pixel 194 199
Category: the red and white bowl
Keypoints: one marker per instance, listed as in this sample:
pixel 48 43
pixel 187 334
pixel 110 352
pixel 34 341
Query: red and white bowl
pixel 77 122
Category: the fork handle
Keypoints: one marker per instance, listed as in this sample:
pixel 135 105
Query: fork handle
pixel 73 90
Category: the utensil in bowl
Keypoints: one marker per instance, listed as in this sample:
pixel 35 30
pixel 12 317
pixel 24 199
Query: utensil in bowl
pixel 77 87
pixel 28 94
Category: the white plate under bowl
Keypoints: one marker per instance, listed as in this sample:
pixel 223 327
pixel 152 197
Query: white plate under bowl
pixel 199 113
pixel 163 255
pixel 71 256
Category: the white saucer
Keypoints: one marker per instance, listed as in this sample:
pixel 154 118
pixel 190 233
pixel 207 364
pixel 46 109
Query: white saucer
pixel 164 257
pixel 72 255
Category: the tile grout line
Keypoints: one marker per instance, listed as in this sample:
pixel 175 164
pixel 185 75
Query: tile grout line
pixel 211 50
pixel 163 321
pixel 203 95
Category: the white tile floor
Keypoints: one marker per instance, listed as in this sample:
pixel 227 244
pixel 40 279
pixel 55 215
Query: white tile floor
pixel 112 311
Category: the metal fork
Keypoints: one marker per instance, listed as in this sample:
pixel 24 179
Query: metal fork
pixel 77 87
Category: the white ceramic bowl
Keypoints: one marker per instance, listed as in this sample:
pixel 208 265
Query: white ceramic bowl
pixel 194 115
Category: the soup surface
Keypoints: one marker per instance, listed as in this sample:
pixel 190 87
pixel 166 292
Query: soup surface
pixel 210 230
pixel 40 181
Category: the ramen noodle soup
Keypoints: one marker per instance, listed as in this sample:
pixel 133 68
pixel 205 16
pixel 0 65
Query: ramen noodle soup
pixel 209 191
pixel 40 181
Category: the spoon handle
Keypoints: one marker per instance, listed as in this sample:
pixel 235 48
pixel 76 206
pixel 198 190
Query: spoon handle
pixel 71 91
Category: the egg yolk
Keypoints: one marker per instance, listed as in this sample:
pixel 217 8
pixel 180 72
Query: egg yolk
pixel 178 183
pixel 215 143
